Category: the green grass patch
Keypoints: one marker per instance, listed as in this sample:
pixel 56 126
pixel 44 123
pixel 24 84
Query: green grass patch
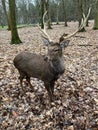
pixel 3 28
pixel 18 26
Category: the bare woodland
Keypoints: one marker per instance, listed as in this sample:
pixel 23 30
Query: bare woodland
pixel 75 102
pixel 75 105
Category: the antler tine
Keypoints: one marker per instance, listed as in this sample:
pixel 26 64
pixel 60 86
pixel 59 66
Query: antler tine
pixel 83 24
pixel 44 30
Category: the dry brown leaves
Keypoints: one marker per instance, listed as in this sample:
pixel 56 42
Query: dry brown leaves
pixel 75 105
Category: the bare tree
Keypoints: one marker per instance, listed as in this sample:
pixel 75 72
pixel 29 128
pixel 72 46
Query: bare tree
pixel 80 14
pixel 14 33
pixel 45 7
pixel 42 12
pixel 57 18
pixel 64 11
pixel 96 16
pixel 87 5
pixel 5 12
pixel 48 14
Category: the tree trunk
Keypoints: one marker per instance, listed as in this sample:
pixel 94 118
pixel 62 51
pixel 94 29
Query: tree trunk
pixel 64 10
pixel 48 14
pixel 14 33
pixel 86 5
pixel 1 20
pixel 5 12
pixel 96 16
pixel 80 14
pixel 57 17
pixel 42 12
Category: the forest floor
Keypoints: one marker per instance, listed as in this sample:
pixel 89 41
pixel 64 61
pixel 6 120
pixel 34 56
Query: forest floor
pixel 75 104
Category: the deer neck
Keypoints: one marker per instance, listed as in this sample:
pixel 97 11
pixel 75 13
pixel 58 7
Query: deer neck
pixel 58 65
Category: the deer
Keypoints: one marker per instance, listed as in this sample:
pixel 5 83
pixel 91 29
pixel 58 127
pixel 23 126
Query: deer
pixel 46 68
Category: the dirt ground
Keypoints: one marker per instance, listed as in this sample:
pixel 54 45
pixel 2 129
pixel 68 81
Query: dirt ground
pixel 75 104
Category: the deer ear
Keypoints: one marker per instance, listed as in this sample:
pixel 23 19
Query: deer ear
pixel 45 41
pixel 64 43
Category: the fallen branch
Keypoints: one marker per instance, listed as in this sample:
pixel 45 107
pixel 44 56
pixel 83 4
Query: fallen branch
pixel 82 45
pixel 85 45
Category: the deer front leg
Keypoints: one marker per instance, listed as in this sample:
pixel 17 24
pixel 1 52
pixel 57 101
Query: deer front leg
pixel 50 89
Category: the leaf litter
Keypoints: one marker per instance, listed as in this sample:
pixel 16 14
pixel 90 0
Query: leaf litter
pixel 75 105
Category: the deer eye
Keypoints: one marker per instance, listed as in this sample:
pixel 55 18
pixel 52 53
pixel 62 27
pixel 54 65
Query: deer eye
pixel 56 50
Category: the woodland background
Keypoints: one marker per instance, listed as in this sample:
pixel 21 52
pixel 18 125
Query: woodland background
pixel 75 104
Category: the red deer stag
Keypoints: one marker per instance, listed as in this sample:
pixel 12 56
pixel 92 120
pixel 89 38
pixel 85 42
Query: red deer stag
pixel 49 68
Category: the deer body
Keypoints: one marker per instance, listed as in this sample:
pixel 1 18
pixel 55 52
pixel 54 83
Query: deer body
pixel 33 65
pixel 46 68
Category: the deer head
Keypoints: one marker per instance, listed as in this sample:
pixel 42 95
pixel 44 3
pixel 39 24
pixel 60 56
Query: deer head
pixel 55 48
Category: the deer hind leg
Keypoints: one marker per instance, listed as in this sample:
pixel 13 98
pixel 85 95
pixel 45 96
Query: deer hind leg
pixel 28 80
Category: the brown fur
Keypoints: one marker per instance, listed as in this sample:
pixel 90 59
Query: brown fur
pixel 48 69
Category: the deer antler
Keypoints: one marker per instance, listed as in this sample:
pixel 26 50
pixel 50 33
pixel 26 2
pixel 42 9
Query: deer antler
pixel 46 36
pixel 83 24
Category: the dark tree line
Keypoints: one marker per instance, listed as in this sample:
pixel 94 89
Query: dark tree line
pixel 14 12
pixel 28 12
